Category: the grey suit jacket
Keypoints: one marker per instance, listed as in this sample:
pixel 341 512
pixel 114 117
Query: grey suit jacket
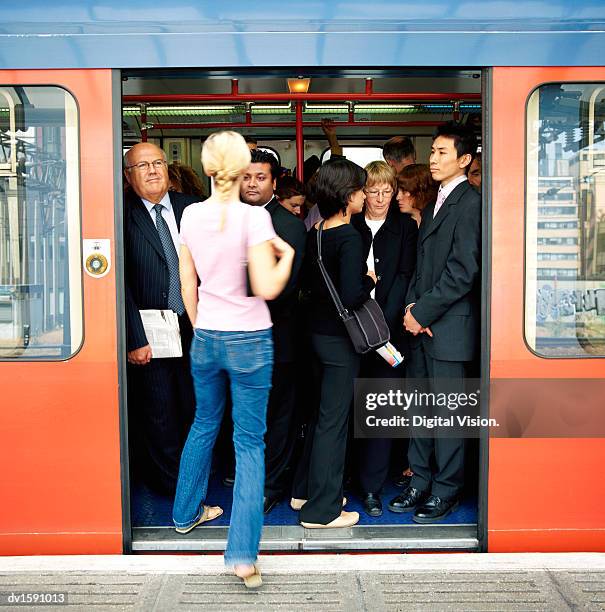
pixel 445 285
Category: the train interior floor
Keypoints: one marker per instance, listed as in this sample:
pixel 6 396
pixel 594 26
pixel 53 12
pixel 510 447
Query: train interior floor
pixel 150 509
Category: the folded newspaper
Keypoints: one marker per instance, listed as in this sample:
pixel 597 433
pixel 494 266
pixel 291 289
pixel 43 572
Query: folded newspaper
pixel 163 333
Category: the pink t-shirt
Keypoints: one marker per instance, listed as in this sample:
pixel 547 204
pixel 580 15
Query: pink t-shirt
pixel 220 258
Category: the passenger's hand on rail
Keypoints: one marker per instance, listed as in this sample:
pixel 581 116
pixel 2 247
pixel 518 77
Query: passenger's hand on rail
pixel 372 275
pixel 411 324
pixel 140 356
pixel 281 248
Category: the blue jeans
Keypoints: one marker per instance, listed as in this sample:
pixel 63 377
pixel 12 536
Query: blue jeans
pixel 245 360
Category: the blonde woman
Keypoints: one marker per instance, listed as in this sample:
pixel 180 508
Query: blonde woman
pixel 232 345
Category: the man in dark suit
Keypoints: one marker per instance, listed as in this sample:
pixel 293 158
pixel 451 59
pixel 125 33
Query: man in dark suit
pixel 160 391
pixel 257 189
pixel 442 314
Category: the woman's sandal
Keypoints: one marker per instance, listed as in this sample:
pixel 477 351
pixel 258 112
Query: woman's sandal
pixel 209 514
pixel 253 581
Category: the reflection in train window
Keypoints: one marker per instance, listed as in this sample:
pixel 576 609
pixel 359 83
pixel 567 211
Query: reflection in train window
pixel 40 271
pixel 565 220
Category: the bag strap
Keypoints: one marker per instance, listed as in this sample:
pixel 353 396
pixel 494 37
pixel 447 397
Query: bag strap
pixel 342 311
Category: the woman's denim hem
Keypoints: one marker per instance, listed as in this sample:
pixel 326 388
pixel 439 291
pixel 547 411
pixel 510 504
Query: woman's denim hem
pixel 189 523
pixel 234 560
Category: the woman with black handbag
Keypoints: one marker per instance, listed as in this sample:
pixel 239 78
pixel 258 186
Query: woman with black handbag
pixel 317 490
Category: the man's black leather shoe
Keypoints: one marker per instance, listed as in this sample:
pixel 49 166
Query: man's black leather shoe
pixel 407 501
pixel 402 482
pixel 434 509
pixel 372 504
pixel 269 503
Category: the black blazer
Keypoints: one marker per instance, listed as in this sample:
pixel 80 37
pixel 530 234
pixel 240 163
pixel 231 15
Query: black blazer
pixel 145 265
pixel 394 262
pixel 445 286
pixel 291 229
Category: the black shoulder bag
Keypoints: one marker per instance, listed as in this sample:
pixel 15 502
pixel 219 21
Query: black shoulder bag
pixel 366 326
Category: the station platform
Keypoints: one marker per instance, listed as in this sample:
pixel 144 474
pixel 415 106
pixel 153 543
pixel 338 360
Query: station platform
pixel 342 582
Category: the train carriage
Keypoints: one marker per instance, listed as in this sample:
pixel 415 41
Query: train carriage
pixel 81 81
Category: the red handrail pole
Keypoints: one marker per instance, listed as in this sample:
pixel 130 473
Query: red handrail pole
pixel 300 151
pixel 369 86
pixel 286 97
pixel 143 123
pixel 291 124
pixel 234 87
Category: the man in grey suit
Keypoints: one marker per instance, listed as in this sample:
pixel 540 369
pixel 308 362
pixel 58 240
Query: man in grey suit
pixel 442 314
pixel 160 391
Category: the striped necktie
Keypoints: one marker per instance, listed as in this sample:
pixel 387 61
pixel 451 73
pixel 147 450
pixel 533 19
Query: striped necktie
pixel 439 202
pixel 175 300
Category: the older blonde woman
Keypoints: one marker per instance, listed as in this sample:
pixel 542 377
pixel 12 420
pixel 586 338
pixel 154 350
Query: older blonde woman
pixel 389 239
pixel 232 345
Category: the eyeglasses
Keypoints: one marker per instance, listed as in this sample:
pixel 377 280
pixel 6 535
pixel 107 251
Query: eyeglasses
pixel 145 165
pixel 374 193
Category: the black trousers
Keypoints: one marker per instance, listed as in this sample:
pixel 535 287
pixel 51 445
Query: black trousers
pixel 320 470
pixel 279 439
pixel 437 463
pixel 374 454
pixel 161 408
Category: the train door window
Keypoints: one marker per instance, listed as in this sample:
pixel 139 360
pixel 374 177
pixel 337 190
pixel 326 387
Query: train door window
pixel 565 220
pixel 361 155
pixel 40 271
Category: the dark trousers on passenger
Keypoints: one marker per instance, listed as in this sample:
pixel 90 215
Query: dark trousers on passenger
pixel 437 463
pixel 373 454
pixel 279 439
pixel 320 470
pixel 161 407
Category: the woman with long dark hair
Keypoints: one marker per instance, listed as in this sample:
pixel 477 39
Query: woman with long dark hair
pixel 317 490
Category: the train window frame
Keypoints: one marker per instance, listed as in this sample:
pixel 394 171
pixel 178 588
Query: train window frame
pixel 73 305
pixel 530 311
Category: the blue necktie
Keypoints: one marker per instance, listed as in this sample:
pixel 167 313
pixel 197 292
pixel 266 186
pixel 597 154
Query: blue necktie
pixel 175 300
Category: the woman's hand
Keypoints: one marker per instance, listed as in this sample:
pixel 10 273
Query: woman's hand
pixel 281 248
pixel 372 275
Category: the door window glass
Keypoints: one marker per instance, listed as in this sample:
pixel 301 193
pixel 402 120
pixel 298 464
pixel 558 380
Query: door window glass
pixel 40 270
pixel 565 220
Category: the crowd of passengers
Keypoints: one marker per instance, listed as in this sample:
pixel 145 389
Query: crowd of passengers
pixel 262 338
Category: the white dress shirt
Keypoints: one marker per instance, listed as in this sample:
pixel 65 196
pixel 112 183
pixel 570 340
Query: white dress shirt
pixel 445 190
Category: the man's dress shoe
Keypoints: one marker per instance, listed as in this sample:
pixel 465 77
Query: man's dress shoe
pixel 269 503
pixel 407 501
pixel 402 481
pixel 435 509
pixel 372 505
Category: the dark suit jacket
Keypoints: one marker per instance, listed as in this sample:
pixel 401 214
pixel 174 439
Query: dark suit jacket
pixel 145 264
pixel 446 282
pixel 394 262
pixel 291 229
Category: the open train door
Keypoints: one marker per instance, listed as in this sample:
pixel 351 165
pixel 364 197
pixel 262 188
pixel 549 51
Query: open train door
pixel 60 422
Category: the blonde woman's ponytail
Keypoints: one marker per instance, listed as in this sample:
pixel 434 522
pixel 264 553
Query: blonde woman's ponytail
pixel 225 157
